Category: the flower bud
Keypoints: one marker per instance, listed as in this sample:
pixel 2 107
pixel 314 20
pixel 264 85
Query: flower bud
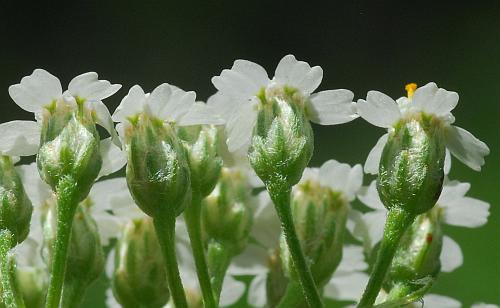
pixel 417 256
pixel 139 278
pixel 282 142
pixel 15 207
pixel 85 254
pixel 201 142
pixel 411 167
pixel 227 211
pixel 69 146
pixel 157 170
pixel 319 216
pixel 33 284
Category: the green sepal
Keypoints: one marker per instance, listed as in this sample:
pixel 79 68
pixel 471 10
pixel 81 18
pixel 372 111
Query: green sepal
pixel 157 170
pixel 69 146
pixel 139 278
pixel 201 142
pixel 411 169
pixel 227 214
pixel 417 257
pixel 320 216
pixel 15 206
pixel 282 142
pixel 33 283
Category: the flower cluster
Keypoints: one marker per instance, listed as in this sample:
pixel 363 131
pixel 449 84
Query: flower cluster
pixel 219 204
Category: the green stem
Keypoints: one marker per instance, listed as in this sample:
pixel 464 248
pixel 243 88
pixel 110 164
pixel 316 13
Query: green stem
pixel 293 296
pixel 73 293
pixel 398 220
pixel 192 215
pixel 280 194
pixel 67 203
pixel 165 231
pixel 219 257
pixel 11 296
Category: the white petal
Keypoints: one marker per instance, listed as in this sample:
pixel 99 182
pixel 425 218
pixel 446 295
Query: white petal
pixel 369 196
pixel 232 291
pixel 440 301
pixel 447 162
pixel 375 223
pixel 177 105
pixel 331 107
pixel 298 74
pixel 353 260
pixel 467 212
pixel 257 293
pixel 252 261
pixel 110 263
pixel 373 160
pixel 341 177
pixel 240 84
pixel 113 158
pixel 223 105
pixel 37 190
pixel 254 72
pixel 379 109
pixel 104 119
pixel 201 113
pixel 130 105
pixel 109 227
pixel 310 174
pixel 452 192
pixel 35 91
pixel 346 287
pixel 266 227
pixel 110 300
pixel 156 101
pixel 240 127
pixel 432 100
pixel 483 305
pixel 451 255
pixel 467 148
pixel 89 87
pixel 19 138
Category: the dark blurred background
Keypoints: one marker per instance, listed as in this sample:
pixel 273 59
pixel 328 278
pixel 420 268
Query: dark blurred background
pixel 360 45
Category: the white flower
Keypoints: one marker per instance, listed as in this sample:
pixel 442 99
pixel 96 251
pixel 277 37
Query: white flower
pixel 166 102
pixel 236 100
pixel 381 110
pixel 40 90
pixel 454 207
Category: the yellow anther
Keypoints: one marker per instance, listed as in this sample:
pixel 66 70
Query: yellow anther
pixel 410 89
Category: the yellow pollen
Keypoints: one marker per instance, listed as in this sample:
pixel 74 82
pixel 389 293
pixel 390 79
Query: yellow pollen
pixel 410 89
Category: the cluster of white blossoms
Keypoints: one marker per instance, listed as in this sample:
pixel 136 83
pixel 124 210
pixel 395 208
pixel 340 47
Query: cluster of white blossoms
pixel 222 160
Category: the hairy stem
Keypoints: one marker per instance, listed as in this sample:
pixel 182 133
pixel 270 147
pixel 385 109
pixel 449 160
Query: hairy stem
pixel 66 207
pixel 192 215
pixel 398 220
pixel 165 231
pixel 10 295
pixel 281 198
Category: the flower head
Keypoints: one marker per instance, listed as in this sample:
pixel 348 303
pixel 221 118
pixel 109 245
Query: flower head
pixel 41 93
pixel 246 88
pixel 430 102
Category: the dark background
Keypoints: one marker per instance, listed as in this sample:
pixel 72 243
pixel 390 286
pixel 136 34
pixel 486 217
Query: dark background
pixel 360 45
